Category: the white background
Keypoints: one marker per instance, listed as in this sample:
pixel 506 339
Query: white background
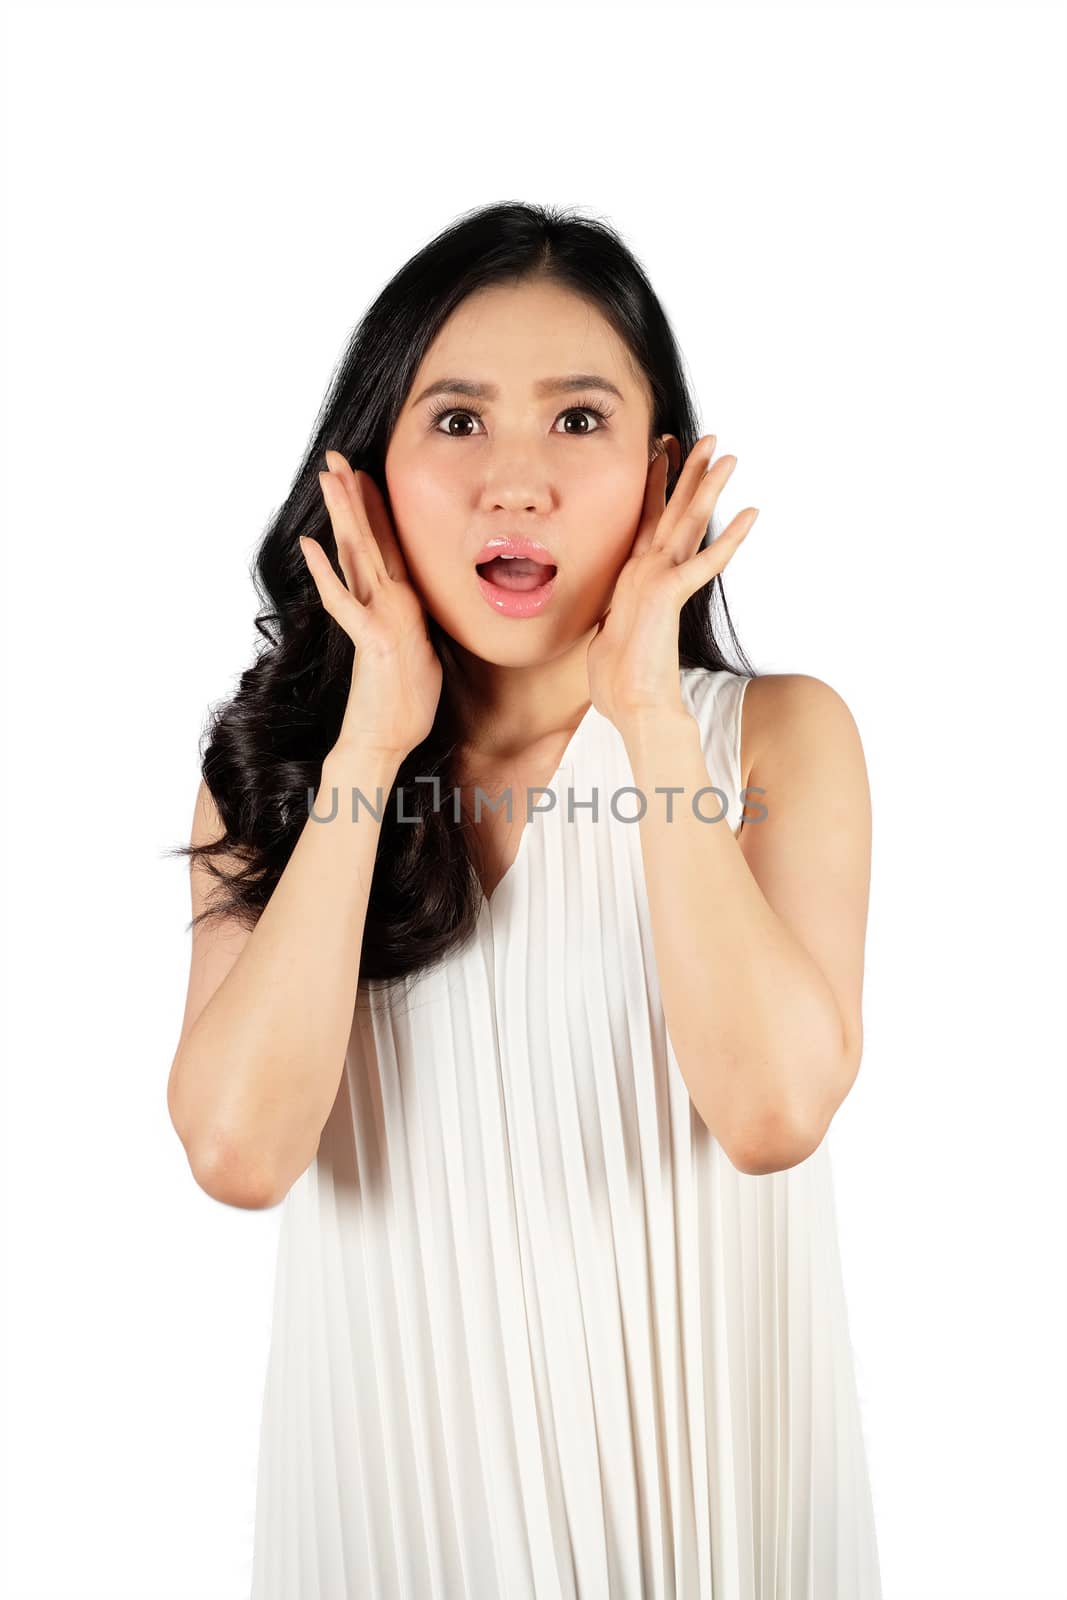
pixel 855 218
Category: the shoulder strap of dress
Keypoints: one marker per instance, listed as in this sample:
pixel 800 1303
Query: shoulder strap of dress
pixel 716 699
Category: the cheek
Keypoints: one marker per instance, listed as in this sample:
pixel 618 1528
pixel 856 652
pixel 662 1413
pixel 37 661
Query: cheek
pixel 430 533
pixel 426 493
pixel 421 516
pixel 613 504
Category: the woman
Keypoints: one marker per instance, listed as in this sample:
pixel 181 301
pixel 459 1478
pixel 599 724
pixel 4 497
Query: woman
pixel 559 1308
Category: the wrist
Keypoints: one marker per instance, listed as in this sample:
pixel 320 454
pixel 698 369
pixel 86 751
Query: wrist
pixel 363 764
pixel 655 726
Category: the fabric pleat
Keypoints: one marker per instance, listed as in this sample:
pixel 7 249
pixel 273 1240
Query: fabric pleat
pixel 534 1337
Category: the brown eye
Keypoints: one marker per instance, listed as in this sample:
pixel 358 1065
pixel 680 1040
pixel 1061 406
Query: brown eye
pixel 581 411
pixel 455 413
pixel 440 412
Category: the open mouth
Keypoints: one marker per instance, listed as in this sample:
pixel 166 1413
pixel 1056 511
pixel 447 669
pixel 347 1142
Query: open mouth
pixel 518 574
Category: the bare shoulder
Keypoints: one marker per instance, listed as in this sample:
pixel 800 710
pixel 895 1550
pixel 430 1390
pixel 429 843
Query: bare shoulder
pixel 811 851
pixel 791 717
pixel 208 828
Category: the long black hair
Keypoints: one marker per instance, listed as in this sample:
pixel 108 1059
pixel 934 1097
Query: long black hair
pixel 265 746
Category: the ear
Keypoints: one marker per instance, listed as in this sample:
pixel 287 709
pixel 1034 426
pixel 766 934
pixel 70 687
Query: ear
pixel 668 444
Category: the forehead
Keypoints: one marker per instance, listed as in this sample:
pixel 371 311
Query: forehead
pixel 519 335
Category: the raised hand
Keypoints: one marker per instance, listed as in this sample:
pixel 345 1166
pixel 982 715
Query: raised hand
pixel 397 673
pixel 633 659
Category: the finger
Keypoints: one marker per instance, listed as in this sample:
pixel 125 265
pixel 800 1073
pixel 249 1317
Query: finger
pixel 684 535
pixel 345 478
pixel 356 547
pixel 652 507
pixel 369 506
pixel 708 563
pixel 357 552
pixel 689 479
pixel 667 512
pixel 377 513
pixel 336 599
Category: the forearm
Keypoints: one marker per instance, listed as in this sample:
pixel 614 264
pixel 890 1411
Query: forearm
pixel 260 1068
pixel 752 1020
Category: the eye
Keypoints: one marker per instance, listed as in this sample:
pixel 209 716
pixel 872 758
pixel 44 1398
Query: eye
pixel 444 409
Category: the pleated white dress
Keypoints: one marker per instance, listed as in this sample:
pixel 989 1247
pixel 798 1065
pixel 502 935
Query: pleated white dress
pixel 533 1334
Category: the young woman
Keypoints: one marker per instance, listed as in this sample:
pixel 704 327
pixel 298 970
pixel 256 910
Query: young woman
pixel 545 1087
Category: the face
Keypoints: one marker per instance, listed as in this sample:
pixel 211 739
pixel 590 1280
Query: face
pixel 462 469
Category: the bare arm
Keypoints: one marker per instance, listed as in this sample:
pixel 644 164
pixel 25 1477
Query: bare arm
pixel 759 938
pixel 269 1011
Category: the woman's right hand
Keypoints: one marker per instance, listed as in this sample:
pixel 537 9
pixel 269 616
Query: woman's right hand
pixel 397 674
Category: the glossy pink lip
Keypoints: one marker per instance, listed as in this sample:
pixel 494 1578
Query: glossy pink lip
pixel 517 602
pixel 507 544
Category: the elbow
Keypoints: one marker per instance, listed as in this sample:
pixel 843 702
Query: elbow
pixel 217 1163
pixel 230 1178
pixel 782 1138
pixel 773 1143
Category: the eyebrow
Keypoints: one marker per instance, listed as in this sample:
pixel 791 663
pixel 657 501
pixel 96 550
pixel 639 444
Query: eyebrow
pixel 489 391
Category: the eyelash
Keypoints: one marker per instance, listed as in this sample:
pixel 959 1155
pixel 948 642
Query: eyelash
pixel 444 408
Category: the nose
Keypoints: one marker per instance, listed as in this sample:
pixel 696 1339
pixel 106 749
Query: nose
pixel 516 489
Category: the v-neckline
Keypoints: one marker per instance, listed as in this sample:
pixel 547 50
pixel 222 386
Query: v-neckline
pixel 487 901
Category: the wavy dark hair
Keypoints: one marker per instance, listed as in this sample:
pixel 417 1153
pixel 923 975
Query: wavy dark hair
pixel 265 746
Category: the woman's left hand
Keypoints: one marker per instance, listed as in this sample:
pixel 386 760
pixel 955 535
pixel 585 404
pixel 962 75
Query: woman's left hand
pixel 633 659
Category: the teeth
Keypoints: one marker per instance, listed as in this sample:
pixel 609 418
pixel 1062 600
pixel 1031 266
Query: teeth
pixel 500 555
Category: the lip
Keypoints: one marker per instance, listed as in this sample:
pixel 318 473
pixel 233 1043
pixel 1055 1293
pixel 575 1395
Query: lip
pixel 516 602
pixel 508 544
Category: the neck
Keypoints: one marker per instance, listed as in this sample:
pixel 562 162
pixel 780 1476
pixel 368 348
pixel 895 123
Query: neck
pixel 504 710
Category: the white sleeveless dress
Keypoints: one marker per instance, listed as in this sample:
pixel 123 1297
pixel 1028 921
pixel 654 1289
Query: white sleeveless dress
pixel 534 1337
